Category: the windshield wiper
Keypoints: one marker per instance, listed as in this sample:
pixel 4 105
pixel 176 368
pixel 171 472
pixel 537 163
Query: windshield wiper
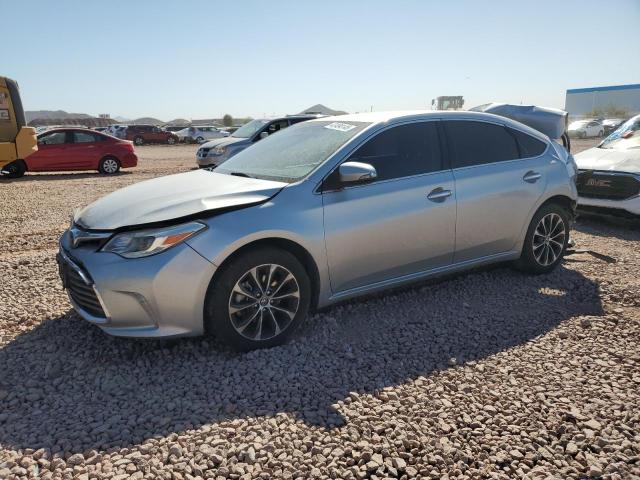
pixel 241 174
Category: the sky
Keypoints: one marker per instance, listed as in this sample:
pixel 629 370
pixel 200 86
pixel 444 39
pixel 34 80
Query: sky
pixel 202 59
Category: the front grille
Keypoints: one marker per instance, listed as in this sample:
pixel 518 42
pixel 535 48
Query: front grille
pixel 81 293
pixel 607 186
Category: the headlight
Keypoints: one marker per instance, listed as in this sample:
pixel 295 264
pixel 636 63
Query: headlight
pixel 219 150
pixel 142 243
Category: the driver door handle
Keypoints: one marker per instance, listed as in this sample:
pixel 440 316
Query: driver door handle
pixel 439 194
pixel 531 176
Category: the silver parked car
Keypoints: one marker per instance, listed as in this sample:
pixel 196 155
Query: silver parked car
pixel 326 210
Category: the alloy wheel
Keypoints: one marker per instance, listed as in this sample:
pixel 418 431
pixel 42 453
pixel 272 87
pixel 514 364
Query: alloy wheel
pixel 264 302
pixel 549 239
pixel 110 165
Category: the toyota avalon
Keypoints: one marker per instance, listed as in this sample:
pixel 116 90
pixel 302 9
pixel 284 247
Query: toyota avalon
pixel 326 210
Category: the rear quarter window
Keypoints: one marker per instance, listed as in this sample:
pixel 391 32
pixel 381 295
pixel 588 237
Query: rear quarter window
pixel 529 146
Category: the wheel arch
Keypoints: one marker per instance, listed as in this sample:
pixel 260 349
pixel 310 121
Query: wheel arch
pixel 297 250
pixel 561 200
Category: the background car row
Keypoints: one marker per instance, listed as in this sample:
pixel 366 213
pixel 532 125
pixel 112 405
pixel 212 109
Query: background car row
pixel 143 134
pixel 598 127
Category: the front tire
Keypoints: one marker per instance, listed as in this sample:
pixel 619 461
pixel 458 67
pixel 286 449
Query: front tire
pixel 171 140
pixel 199 140
pixel 138 141
pixel 546 240
pixel 109 166
pixel 15 169
pixel 258 300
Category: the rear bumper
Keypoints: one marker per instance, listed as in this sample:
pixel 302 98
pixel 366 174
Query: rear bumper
pixel 129 160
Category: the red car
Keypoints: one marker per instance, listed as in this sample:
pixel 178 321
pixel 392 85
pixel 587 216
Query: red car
pixel 78 149
pixel 141 134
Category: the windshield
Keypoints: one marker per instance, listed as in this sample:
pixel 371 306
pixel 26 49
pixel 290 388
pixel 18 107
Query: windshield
pixel 625 137
pixel 293 153
pixel 247 130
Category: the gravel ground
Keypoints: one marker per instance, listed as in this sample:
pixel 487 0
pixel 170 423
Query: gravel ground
pixel 491 374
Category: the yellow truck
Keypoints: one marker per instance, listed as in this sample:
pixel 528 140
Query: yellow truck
pixel 17 141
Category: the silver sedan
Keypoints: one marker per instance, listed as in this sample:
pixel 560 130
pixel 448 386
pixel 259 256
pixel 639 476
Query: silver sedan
pixel 327 210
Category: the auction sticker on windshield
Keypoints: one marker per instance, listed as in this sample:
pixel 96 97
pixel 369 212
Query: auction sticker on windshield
pixel 343 127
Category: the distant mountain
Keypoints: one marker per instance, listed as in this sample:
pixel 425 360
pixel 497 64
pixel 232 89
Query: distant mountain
pixel 322 110
pixel 146 121
pixel 52 114
pixel 179 121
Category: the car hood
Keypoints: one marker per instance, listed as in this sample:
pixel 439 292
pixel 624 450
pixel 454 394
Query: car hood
pixel 174 197
pixel 609 160
pixel 224 141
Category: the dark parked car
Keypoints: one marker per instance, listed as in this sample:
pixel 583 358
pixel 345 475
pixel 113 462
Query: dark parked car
pixel 611 124
pixel 218 151
pixel 141 134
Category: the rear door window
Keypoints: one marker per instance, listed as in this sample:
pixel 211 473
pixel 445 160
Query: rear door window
pixel 402 151
pixel 293 121
pixel 84 137
pixel 479 143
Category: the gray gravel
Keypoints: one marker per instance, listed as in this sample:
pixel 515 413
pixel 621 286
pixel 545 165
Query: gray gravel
pixel 491 374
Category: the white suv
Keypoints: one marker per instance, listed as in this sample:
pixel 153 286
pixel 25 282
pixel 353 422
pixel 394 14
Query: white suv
pixel 586 128
pixel 200 133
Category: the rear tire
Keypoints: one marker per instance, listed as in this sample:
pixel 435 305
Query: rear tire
pixel 258 299
pixel 199 140
pixel 138 141
pixel 109 166
pixel 16 169
pixel 171 140
pixel 546 240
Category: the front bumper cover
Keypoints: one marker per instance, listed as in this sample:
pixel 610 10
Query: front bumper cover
pixel 157 296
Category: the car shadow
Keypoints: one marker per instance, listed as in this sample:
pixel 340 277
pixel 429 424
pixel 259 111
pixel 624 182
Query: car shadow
pixel 39 177
pixel 67 386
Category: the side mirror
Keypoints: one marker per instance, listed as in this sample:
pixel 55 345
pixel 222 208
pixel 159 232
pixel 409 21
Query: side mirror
pixel 264 135
pixel 356 172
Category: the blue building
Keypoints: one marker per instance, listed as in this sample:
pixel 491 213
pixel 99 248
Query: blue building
pixel 581 101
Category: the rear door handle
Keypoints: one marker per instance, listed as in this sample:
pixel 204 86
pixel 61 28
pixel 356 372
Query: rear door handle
pixel 439 194
pixel 532 177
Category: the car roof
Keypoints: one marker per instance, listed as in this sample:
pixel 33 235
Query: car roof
pixel 376 118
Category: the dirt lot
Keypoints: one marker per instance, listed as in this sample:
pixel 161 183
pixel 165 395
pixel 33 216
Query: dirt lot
pixel 490 374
